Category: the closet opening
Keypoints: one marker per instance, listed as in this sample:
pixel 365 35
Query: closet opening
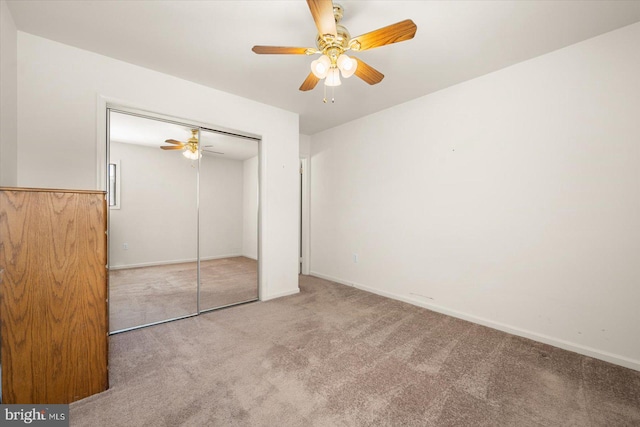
pixel 183 229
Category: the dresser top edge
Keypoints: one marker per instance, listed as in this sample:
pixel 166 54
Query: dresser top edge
pixel 51 190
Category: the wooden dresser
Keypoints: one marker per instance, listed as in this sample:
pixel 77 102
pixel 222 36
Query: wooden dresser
pixel 53 295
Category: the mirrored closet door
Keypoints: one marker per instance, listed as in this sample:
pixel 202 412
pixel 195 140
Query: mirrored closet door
pixel 228 220
pixel 183 220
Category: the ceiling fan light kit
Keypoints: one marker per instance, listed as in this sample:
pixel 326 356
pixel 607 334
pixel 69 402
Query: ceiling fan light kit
pixel 334 40
pixel 333 78
pixel 323 67
pixel 346 65
pixel 320 67
pixel 192 155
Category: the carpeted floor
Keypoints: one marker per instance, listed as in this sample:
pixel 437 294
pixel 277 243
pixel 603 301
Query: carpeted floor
pixel 337 356
pixel 138 296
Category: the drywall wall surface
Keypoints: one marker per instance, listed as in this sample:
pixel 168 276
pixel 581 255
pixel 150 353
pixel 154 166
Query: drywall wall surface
pixel 511 200
pixel 305 146
pixel 221 207
pixel 60 88
pixel 156 222
pixel 157 219
pixel 8 98
pixel 250 205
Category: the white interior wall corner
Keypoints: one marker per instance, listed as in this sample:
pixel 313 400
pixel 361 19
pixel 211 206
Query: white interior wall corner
pixel 512 200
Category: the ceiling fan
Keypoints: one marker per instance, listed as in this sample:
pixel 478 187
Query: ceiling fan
pixel 190 148
pixel 334 40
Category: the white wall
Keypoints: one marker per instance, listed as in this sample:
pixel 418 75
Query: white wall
pixel 305 146
pixel 158 212
pixel 512 200
pixel 221 207
pixel 250 208
pixel 60 122
pixel 8 98
pixel 157 218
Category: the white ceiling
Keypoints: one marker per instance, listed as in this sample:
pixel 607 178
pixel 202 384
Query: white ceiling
pixel 136 130
pixel 209 42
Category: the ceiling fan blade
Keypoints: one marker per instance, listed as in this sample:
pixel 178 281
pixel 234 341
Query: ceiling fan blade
pixel 172 147
pixel 309 83
pixel 394 33
pixel 322 12
pixel 282 50
pixel 173 141
pixel 367 73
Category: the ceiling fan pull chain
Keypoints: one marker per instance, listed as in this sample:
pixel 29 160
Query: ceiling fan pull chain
pixel 333 90
pixel 324 99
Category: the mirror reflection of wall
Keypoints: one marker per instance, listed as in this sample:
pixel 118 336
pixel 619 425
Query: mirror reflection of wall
pixel 171 212
pixel 228 220
pixel 153 228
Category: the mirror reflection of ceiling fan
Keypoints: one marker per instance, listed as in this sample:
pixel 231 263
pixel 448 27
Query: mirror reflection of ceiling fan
pixel 189 148
pixel 334 40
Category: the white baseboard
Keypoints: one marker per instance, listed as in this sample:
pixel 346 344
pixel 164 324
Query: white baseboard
pixel 282 294
pixel 175 261
pixel 556 342
pixel 209 258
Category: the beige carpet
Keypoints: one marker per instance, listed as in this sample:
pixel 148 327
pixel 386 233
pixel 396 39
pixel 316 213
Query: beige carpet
pixel 138 296
pixel 337 356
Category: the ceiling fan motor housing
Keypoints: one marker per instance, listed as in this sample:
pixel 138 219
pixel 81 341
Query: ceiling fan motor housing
pixel 333 47
pixel 192 143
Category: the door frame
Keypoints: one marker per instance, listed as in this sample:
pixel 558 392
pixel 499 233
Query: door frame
pixel 305 265
pixel 104 107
